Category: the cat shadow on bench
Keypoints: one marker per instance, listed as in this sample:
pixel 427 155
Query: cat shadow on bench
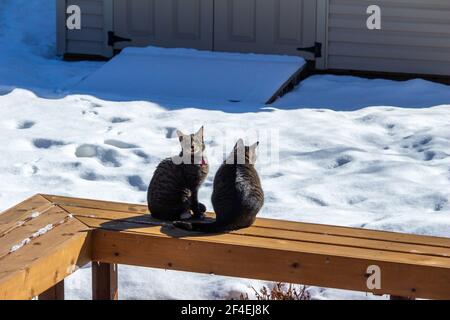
pixel 146 221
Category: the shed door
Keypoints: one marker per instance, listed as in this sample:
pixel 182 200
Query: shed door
pixel 165 23
pixel 265 26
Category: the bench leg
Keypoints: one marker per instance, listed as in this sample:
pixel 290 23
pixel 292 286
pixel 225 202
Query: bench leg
pixel 104 281
pixel 54 293
pixel 401 298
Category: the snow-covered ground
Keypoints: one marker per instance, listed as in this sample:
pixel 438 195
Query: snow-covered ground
pixel 381 167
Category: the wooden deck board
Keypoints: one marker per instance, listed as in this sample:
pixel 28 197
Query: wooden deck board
pixel 114 210
pixel 97 204
pixel 44 262
pixel 30 229
pixel 274 233
pixel 235 238
pixel 22 211
pixel 120 233
pixel 242 260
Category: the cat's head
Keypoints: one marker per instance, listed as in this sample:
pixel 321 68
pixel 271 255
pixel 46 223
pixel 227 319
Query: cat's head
pixel 243 154
pixel 192 145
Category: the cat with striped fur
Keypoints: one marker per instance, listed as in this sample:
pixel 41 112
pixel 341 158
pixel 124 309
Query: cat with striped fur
pixel 237 195
pixel 173 190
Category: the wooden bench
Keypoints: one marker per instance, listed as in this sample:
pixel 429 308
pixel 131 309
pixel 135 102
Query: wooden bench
pixel 46 238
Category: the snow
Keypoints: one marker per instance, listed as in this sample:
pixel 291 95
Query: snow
pixel 42 231
pixel 35 214
pixel 323 157
pixel 347 93
pixel 160 74
pixel 20 245
pixel 35 235
pixel 27 55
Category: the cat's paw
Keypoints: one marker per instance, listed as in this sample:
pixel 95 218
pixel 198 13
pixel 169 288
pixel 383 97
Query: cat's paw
pixel 183 225
pixel 199 216
pixel 199 212
pixel 201 208
pixel 186 216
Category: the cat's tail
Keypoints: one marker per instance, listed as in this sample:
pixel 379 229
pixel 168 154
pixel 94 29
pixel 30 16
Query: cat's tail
pixel 207 227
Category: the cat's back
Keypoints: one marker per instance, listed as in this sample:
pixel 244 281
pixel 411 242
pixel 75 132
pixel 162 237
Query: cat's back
pixel 247 183
pixel 224 184
pixel 165 175
pixel 166 166
pixel 237 183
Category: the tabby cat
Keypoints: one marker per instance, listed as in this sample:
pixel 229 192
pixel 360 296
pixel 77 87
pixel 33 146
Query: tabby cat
pixel 173 191
pixel 237 196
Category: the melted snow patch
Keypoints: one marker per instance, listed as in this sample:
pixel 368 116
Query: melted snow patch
pixel 35 214
pixel 35 235
pixel 42 231
pixel 20 245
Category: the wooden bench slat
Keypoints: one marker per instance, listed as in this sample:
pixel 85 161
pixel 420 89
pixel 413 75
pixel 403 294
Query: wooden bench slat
pixel 356 232
pixel 246 261
pixel 269 243
pixel 23 218
pixel 281 234
pixel 26 231
pixel 22 210
pixel 116 210
pixel 119 233
pixel 97 204
pixel 346 241
pixel 45 262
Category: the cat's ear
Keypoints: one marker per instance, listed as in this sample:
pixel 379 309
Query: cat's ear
pixel 254 146
pixel 180 135
pixel 200 133
pixel 239 145
pixel 252 152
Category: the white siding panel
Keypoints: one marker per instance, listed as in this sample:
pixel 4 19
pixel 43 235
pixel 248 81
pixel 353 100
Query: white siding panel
pixel 92 38
pixel 388 65
pixel 415 36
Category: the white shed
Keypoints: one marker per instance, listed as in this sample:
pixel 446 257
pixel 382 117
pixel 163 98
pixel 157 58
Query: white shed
pixel 414 35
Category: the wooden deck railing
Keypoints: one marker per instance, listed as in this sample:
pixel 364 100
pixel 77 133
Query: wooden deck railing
pixel 46 238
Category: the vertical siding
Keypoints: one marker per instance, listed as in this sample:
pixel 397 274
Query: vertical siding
pixel 92 38
pixel 415 36
pixel 265 26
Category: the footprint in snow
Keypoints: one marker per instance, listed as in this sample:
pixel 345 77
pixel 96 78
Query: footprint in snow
pixel 120 144
pixel 47 143
pixel 341 161
pixel 316 201
pixel 108 157
pixel 89 112
pixel 170 132
pixel 119 120
pixel 96 105
pixel 25 125
pixel 144 156
pixel 417 142
pixel 90 176
pixel 137 183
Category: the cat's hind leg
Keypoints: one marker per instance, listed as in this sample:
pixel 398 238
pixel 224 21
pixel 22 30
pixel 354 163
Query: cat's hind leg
pixel 198 209
pixel 170 212
pixel 199 212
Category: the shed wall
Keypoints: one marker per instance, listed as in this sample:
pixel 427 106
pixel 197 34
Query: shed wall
pixel 96 21
pixel 415 36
